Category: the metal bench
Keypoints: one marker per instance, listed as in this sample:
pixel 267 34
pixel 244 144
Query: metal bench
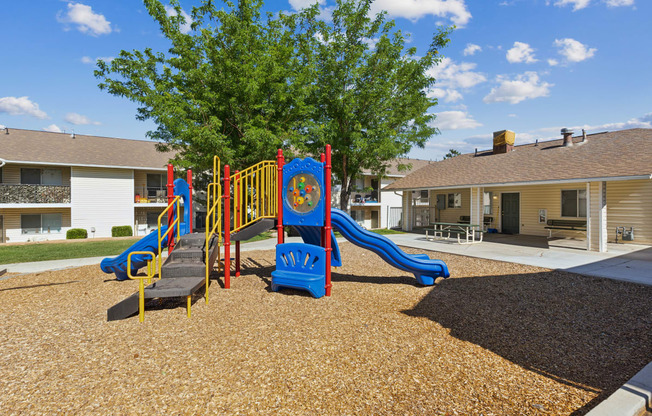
pixel 568 225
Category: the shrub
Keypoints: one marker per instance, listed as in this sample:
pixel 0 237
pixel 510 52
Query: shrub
pixel 122 231
pixel 76 233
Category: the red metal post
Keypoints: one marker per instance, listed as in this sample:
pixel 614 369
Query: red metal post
pixel 279 214
pixel 322 159
pixel 328 227
pixel 170 186
pixel 227 227
pixel 190 213
pixel 237 220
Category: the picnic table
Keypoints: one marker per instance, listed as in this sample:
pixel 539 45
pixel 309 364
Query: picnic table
pixel 466 233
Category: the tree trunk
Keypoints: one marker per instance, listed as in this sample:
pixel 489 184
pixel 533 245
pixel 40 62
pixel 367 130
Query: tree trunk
pixel 345 193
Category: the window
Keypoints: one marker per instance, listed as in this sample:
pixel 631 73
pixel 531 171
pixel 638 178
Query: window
pixel 35 176
pixel 30 176
pixel 152 219
pixel 155 182
pixel 573 203
pixel 455 200
pixel 40 223
pixel 51 223
pixel 0 174
pixel 486 203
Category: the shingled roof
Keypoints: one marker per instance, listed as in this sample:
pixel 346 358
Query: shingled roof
pixel 618 154
pixel 61 149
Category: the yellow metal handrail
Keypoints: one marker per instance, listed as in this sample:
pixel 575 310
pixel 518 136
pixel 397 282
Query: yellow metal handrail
pixel 176 221
pixel 141 284
pixel 213 217
pixel 259 196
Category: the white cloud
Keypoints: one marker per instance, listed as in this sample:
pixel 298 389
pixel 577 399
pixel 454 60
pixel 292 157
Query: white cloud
pixel 553 62
pixel 86 20
pixel 525 86
pixel 325 13
pixel 574 51
pixel 185 27
pixel 455 10
pixel 619 3
pixel 53 128
pixel 577 4
pixel 580 4
pixel 17 106
pixel 450 77
pixel 78 119
pixel 471 49
pixel 371 42
pixel 521 52
pixel 447 95
pixel 2 126
pixel 643 122
pixel 89 60
pixel 455 120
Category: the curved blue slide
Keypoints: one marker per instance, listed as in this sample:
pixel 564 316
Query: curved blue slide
pixel 424 269
pixel 118 265
pixel 312 235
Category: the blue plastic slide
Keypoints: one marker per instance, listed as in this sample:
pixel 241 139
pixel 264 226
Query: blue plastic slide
pixel 118 265
pixel 312 235
pixel 424 269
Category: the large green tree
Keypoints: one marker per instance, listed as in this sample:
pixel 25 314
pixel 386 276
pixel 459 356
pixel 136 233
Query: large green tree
pixel 235 86
pixel 372 104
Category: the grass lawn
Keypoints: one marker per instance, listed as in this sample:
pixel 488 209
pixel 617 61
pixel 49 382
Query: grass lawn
pixel 57 251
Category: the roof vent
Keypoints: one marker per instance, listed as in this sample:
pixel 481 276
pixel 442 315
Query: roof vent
pixel 568 137
pixel 583 135
pixel 6 130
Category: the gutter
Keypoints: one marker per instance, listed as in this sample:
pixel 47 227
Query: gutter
pixel 543 182
pixel 80 165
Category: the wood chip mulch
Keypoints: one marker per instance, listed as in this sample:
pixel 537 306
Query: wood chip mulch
pixel 495 339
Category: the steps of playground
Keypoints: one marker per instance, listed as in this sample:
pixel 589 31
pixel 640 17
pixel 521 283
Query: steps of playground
pixel 188 259
pixel 164 288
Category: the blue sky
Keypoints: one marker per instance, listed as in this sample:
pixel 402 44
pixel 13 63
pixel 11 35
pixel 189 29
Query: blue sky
pixel 531 66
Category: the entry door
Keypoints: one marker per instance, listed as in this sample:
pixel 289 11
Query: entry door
pixel 510 213
pixel 374 219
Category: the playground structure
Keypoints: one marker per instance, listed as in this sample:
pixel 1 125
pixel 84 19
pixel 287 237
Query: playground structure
pixel 241 205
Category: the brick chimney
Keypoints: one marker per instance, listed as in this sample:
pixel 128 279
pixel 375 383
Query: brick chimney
pixel 503 141
pixel 568 137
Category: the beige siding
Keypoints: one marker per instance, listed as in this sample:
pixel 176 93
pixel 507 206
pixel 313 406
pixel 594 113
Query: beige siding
pixel 451 214
pixel 629 204
pixel 11 173
pixel 532 199
pixel 13 231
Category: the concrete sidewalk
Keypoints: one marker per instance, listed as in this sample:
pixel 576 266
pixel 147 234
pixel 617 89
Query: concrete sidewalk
pixel 627 262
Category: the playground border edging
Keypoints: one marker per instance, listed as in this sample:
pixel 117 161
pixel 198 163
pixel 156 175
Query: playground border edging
pixel 634 398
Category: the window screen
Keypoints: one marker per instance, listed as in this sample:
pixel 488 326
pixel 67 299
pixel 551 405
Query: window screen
pixel 51 223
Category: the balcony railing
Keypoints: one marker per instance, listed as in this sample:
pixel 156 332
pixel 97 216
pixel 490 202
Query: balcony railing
pixel 34 194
